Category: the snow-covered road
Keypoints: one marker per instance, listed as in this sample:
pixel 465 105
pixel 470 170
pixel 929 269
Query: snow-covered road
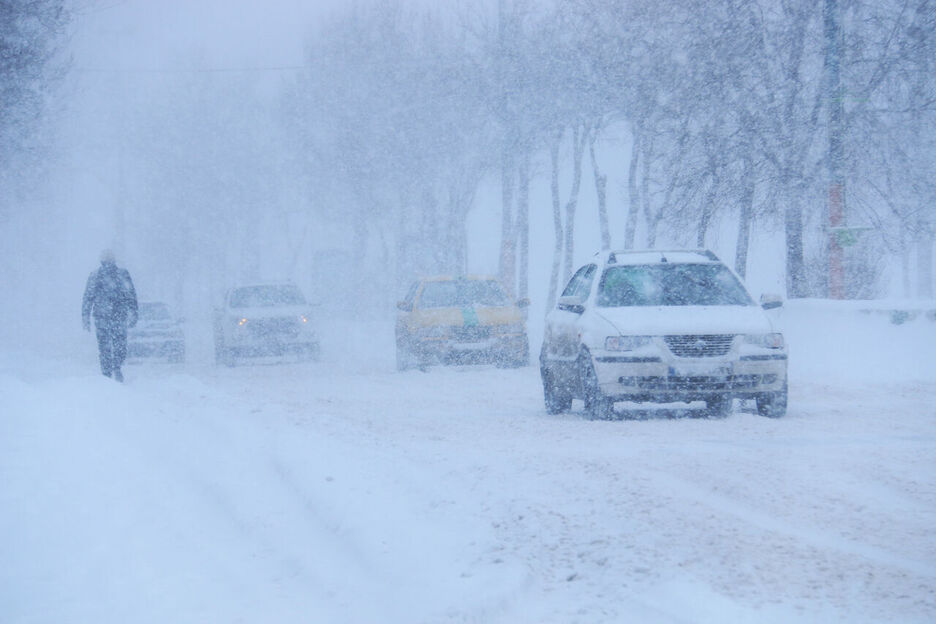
pixel 320 493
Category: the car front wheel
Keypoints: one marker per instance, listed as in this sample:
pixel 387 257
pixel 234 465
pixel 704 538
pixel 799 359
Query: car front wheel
pixel 404 355
pixel 718 407
pixel 598 406
pixel 558 399
pixel 772 404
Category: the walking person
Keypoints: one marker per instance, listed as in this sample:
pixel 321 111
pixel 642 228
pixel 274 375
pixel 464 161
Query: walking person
pixel 111 299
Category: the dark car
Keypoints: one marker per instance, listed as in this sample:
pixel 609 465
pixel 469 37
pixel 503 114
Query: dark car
pixel 156 334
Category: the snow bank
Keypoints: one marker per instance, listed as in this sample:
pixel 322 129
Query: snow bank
pixel 859 341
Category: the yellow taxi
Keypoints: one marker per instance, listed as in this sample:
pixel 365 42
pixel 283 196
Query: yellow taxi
pixel 460 320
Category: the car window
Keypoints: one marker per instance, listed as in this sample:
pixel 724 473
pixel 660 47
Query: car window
pixel 457 293
pixel 580 284
pixel 411 293
pixel 266 296
pixel 671 285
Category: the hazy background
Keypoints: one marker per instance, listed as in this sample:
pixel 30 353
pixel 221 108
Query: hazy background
pixel 351 147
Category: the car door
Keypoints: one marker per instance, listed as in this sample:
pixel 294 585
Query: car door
pixel 561 339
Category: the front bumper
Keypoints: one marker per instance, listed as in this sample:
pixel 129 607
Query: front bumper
pixel 272 337
pixel 154 347
pixel 491 348
pixel 689 379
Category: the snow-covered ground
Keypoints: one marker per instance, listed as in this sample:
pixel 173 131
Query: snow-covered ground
pixel 343 491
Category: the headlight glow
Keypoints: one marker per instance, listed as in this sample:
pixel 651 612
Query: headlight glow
pixel 625 343
pixel 241 322
pixel 773 340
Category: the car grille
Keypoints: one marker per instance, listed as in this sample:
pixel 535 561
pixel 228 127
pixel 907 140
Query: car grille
pixel 471 334
pixel 282 327
pixel 704 345
pixel 694 383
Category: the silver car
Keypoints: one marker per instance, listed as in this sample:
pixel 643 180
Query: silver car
pixel 270 319
pixel 662 326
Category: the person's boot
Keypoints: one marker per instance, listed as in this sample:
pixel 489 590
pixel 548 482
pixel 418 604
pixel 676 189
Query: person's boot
pixel 118 375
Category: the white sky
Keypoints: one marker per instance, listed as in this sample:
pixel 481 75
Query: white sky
pixel 170 34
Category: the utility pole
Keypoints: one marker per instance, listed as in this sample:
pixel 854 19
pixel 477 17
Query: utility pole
pixel 835 98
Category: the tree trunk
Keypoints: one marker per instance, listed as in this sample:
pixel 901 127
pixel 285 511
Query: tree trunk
pixel 925 267
pixel 795 264
pixel 579 137
pixel 523 223
pixel 508 261
pixel 746 217
pixel 708 211
pixel 557 219
pixel 633 205
pixel 601 184
pixel 652 219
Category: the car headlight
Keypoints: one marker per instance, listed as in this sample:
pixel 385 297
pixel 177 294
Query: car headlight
pixel 773 340
pixel 625 343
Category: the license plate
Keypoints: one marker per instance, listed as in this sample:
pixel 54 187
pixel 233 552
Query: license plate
pixel 700 369
pixel 471 346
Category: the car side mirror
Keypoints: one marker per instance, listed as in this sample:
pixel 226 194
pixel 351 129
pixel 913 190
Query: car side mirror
pixel 404 306
pixel 570 303
pixel 523 303
pixel 769 302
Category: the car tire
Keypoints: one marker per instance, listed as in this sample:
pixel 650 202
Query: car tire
pixel 772 404
pixel 312 352
pixel 718 406
pixel 177 355
pixel 229 358
pixel 224 355
pixel 522 358
pixel 598 406
pixel 404 356
pixel 558 400
pixel 514 360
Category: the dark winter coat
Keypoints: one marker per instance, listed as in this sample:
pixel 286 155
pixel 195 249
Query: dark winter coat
pixel 110 298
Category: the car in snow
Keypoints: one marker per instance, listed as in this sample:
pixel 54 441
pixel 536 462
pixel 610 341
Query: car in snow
pixel 454 320
pixel 661 326
pixel 156 334
pixel 267 319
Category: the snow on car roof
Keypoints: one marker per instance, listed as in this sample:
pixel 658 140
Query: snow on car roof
pixel 652 256
pixel 448 278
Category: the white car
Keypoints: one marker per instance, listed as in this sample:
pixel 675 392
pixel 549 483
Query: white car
pixel 663 326
pixel 264 319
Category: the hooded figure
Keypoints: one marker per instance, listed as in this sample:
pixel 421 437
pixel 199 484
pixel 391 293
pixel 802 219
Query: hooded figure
pixel 111 299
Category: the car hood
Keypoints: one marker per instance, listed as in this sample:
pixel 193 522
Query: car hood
pixel 269 312
pixel 672 320
pixel 469 315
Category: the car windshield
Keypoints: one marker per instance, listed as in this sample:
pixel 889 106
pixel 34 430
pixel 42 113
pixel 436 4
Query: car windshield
pixel 671 285
pixel 154 312
pixel 266 297
pixel 458 293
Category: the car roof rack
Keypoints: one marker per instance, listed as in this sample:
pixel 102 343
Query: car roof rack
pixel 620 256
